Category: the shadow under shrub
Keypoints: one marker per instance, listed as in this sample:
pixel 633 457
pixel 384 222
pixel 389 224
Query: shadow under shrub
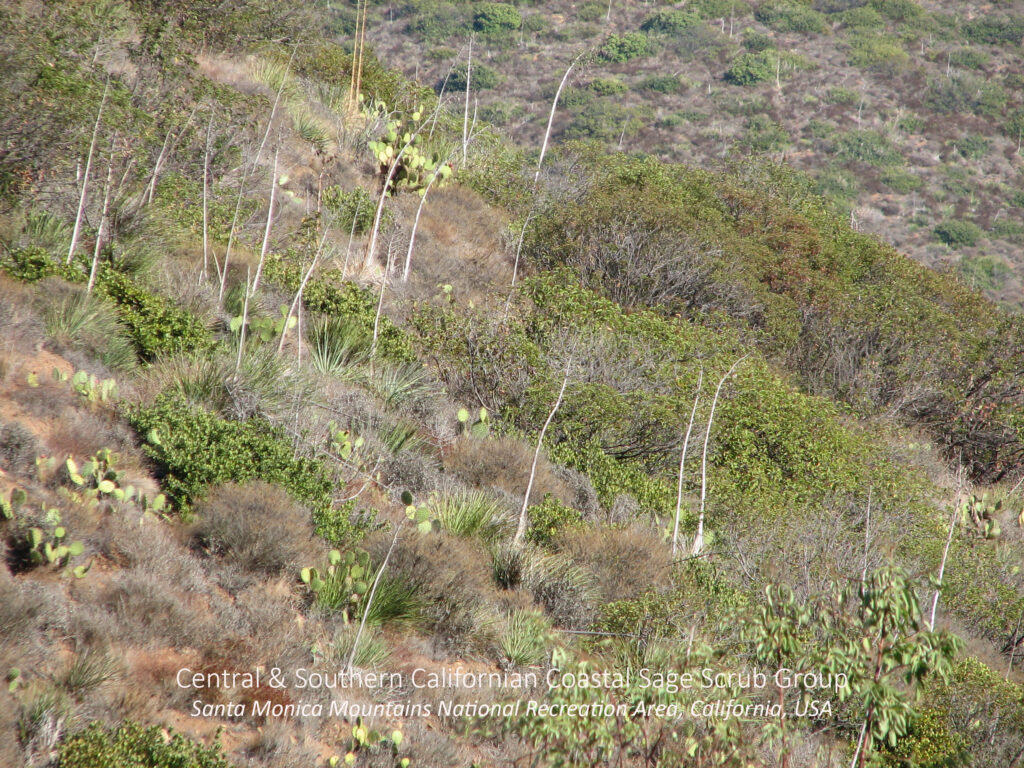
pixel 256 525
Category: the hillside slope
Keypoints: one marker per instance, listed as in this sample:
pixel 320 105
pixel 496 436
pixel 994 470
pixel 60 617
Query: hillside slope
pixel 334 431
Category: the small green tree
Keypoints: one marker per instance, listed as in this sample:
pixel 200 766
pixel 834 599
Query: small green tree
pixel 495 18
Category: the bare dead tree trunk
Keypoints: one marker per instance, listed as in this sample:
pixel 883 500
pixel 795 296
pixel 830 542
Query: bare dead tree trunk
pixel 465 114
pixel 245 319
pixel 380 301
pixel 949 540
pixel 206 202
pixel 698 541
pixel 378 215
pixel 231 237
pixel 85 181
pixel 165 150
pixel 273 109
pixel 369 599
pixel 351 237
pixel 297 301
pixel 416 222
pixel 551 117
pixel 523 520
pixel 103 224
pixel 682 461
pixel 270 221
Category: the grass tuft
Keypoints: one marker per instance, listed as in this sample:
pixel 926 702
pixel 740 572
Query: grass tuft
pixel 524 641
pixel 471 514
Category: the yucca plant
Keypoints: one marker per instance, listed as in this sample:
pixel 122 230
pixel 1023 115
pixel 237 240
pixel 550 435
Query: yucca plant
pixel 398 436
pixel 212 382
pixel 90 323
pixel 310 128
pixel 396 602
pixel 90 669
pixel 277 77
pixel 337 345
pixel 399 384
pixel 372 652
pixel 44 230
pixel 471 514
pixel 525 639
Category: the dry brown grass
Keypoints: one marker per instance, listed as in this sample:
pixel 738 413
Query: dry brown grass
pixel 453 577
pixel 21 328
pixel 624 562
pixel 257 526
pixel 18 449
pixel 147 609
pixel 503 464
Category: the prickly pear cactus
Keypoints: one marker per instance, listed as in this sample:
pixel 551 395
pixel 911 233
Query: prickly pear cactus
pixel 343 584
pixel 979 514
pixel 400 143
pixel 480 428
pixel 419 514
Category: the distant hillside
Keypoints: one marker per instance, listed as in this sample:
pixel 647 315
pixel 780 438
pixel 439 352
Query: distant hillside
pixel 339 428
pixel 907 115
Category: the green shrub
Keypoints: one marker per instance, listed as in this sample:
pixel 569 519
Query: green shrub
pixel 156 325
pixel 928 744
pixel 439 23
pixel 342 526
pixel 496 18
pixel 984 272
pixel 600 119
pixel 976 695
pixel 355 208
pixel 548 518
pixel 607 86
pixel 910 124
pixel 1014 125
pixel 862 18
pixel 719 9
pixel 869 147
pixel 329 295
pixel 900 181
pixel 820 129
pixel 958 233
pixel 669 21
pixel 765 135
pixel 755 42
pixel 194 449
pixel 481 78
pixel 877 52
pixel 968 58
pixel 791 17
pixel 618 49
pixel 840 95
pixel 131 745
pixel 751 68
pixel 899 10
pixel 966 93
pixel 663 84
pixel 1007 229
pixel 992 30
pixel 972 146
